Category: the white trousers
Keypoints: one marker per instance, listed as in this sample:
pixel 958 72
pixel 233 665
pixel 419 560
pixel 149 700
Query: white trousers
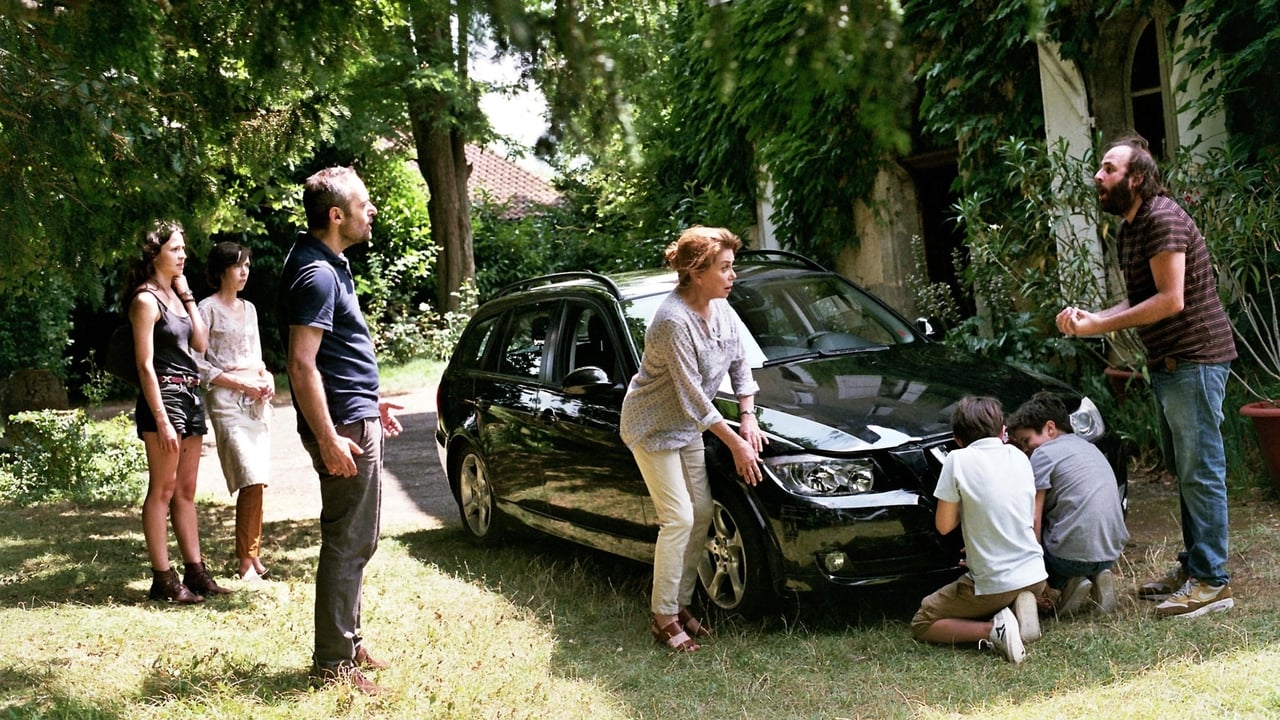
pixel 677 482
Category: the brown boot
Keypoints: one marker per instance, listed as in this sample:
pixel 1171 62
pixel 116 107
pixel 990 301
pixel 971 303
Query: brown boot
pixel 199 580
pixel 165 586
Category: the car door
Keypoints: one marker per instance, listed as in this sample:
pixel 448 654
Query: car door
pixel 591 479
pixel 510 402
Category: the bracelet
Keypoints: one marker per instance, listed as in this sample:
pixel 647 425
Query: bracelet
pixel 749 411
pixel 187 298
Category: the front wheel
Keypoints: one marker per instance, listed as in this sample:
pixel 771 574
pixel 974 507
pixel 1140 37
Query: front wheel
pixel 734 571
pixel 476 502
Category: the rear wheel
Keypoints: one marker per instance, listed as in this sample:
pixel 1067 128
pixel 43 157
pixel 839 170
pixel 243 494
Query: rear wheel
pixel 734 571
pixel 477 505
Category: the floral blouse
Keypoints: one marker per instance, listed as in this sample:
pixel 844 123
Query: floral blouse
pixel 235 345
pixel 669 402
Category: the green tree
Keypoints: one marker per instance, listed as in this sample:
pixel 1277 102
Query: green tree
pixel 111 117
pixel 811 94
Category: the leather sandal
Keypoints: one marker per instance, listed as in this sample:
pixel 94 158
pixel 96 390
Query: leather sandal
pixel 693 625
pixel 673 636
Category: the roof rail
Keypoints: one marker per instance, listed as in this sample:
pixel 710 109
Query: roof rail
pixel 785 255
pixel 541 280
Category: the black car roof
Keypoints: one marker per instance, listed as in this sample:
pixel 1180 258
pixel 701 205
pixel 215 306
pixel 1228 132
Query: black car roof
pixel 643 283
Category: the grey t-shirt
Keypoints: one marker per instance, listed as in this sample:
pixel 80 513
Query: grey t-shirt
pixel 1082 520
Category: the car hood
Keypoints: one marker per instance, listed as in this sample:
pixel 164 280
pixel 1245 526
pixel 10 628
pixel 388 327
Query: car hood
pixel 881 398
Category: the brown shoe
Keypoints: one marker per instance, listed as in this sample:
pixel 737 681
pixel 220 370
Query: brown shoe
pixel 166 586
pixel 200 581
pixel 369 662
pixel 346 674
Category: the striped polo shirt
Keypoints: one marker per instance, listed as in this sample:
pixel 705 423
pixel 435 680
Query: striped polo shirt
pixel 1201 332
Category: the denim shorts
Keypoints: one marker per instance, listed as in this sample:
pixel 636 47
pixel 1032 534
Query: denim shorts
pixel 182 403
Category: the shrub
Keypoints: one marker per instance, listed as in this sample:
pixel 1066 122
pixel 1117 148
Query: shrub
pixel 59 455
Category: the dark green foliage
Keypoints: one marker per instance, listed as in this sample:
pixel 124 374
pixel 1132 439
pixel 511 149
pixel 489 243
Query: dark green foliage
pixel 1025 262
pixel 1243 42
pixel 394 272
pixel 1235 201
pixel 811 93
pixel 112 118
pixel 34 327
pixel 574 236
pixel 59 455
pixel 980 78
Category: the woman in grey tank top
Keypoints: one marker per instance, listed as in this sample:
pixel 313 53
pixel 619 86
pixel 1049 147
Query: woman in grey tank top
pixel 170 412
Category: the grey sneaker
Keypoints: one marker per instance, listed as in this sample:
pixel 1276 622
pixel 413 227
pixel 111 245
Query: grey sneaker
pixel 1163 587
pixel 1076 591
pixel 1104 592
pixel 1028 616
pixel 1196 598
pixel 1005 636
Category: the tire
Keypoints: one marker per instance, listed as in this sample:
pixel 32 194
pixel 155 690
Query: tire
pixel 477 506
pixel 733 573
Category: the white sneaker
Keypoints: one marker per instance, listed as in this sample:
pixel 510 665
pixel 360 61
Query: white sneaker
pixel 251 577
pixel 1028 616
pixel 1076 591
pixel 1005 636
pixel 1104 592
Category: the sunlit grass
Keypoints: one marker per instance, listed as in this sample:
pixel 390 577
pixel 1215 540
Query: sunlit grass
pixel 544 629
pixel 541 629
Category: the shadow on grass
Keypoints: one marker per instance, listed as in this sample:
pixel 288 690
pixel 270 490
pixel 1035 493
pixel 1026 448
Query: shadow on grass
pixel 163 685
pixel 89 556
pixel 67 707
pixel 537 571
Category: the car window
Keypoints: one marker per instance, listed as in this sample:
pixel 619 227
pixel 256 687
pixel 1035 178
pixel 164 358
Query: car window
pixel 472 348
pixel 590 343
pixel 523 354
pixel 639 311
pixel 800 315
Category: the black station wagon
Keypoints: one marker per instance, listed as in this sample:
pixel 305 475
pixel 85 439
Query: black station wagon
pixel 856 402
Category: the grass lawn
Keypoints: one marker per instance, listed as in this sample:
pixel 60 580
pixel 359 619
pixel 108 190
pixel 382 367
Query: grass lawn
pixel 543 629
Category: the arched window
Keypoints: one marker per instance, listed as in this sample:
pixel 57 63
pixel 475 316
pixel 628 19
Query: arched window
pixel 1150 110
pixel 1131 90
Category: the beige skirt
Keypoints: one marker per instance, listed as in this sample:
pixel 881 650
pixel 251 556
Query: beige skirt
pixel 241 430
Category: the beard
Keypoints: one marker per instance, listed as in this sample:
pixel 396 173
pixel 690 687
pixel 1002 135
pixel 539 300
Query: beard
pixel 1119 198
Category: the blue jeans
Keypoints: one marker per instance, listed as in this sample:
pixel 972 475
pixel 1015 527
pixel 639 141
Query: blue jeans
pixel 1060 570
pixel 350 509
pixel 1190 402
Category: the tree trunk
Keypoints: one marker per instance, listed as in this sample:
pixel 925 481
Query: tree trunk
pixel 440 140
pixel 443 163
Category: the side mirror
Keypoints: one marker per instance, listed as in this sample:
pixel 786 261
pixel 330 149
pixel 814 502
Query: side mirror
pixel 586 380
pixel 925 328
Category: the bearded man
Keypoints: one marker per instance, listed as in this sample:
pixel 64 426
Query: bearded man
pixel 1172 301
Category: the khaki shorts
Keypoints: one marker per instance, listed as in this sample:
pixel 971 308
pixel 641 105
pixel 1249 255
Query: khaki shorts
pixel 958 600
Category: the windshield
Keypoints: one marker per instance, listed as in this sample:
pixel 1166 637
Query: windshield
pixel 801 315
pixel 794 316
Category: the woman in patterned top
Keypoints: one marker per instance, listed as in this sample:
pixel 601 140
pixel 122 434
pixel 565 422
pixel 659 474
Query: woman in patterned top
pixel 239 391
pixel 690 345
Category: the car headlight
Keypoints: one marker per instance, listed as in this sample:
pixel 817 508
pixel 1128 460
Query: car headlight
pixel 813 475
pixel 1087 421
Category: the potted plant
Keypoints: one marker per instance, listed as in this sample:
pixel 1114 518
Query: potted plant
pixel 1237 206
pixel 1126 362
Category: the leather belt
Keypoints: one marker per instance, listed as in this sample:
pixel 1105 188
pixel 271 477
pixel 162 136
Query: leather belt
pixel 179 380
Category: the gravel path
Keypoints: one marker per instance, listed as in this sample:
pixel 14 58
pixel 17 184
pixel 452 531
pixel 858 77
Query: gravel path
pixel 415 495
